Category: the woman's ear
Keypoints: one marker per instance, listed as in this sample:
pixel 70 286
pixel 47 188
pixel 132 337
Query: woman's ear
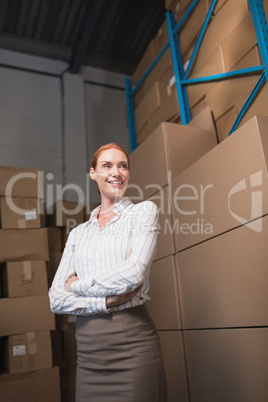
pixel 92 174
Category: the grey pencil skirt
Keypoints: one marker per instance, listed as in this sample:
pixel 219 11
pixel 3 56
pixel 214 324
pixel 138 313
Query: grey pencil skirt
pixel 119 358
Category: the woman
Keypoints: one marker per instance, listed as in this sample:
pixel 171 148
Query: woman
pixel 103 278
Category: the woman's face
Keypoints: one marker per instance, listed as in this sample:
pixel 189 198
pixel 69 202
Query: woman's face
pixel 111 174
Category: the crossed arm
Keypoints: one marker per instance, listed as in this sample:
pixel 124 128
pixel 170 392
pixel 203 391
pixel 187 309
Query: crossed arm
pixel 69 294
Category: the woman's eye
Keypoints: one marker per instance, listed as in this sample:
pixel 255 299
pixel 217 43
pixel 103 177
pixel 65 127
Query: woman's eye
pixel 106 166
pixel 124 166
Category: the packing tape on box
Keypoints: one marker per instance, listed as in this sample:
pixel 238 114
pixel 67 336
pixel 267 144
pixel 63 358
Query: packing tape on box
pixel 177 7
pixel 168 90
pixel 27 270
pixel 172 80
pixel 171 83
pixel 31 343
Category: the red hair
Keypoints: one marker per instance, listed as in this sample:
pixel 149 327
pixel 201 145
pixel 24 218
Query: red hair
pixel 103 148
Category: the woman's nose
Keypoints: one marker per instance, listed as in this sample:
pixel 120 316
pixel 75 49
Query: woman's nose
pixel 115 171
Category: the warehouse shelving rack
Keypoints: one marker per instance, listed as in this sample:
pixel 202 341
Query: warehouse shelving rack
pixel 181 75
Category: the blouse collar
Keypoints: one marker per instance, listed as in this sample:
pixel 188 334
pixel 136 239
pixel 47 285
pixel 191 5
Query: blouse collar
pixel 120 207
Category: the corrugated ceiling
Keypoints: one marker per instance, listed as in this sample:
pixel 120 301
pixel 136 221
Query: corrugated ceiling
pixel 108 34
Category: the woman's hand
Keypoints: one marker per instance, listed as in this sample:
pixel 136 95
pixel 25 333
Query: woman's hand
pixel 112 301
pixel 69 281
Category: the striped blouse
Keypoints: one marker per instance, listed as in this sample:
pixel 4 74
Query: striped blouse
pixel 109 261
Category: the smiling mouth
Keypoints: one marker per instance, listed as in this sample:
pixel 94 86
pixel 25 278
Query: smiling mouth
pixel 116 183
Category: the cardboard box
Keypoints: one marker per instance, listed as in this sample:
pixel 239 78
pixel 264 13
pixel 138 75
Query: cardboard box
pixel 203 119
pixel 21 182
pixel 143 133
pixel 25 314
pixel 164 304
pixel 28 352
pixel 257 108
pixel 147 106
pixel 223 281
pixel 192 26
pixel 174 147
pixel 198 108
pixel 167 84
pixel 172 4
pixel 227 365
pixel 235 90
pixel 172 347
pixel 66 214
pixel 19 213
pixel 177 6
pixel 165 241
pixel 224 94
pixel 226 19
pixel 23 245
pixel 24 278
pixel 214 64
pixel 218 5
pixel 239 42
pixel 265 7
pixel 224 189
pixel 155 75
pixel 145 62
pixel 165 112
pixel 225 123
pixel 35 386
pixel 161 38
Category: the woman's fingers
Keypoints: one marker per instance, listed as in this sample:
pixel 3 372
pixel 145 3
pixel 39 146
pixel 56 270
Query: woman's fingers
pixel 112 301
pixel 69 281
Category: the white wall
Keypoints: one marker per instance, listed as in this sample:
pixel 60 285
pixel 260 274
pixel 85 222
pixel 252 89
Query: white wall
pixel 106 113
pixel 54 121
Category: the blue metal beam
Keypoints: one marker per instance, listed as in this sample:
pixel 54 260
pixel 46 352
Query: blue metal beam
pixel 261 29
pixel 178 69
pixel 248 102
pixel 131 116
pixel 223 76
pixel 147 72
pixel 185 16
pixel 200 37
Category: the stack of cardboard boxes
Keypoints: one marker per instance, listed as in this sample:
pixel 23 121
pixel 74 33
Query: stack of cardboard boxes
pixel 36 346
pixel 209 278
pixel 221 258
pixel 174 149
pixel 26 319
pixel 229 44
